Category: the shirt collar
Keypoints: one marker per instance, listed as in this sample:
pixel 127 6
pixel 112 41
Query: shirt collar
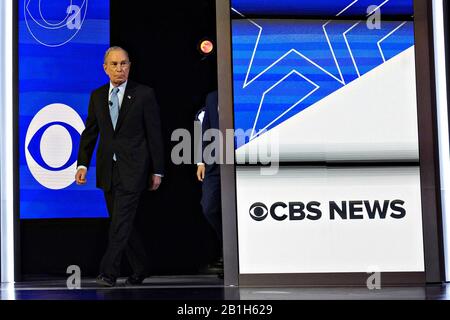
pixel 121 87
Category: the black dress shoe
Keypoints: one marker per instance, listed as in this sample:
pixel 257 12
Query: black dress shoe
pixel 218 263
pixel 214 268
pixel 105 281
pixel 134 280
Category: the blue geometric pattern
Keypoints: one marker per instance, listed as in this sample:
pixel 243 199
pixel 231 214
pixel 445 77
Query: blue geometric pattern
pixel 281 67
pixel 319 7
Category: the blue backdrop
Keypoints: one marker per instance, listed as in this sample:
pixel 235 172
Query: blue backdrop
pixel 321 7
pixel 283 66
pixel 61 48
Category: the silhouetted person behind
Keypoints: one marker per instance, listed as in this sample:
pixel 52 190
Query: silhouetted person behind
pixel 209 174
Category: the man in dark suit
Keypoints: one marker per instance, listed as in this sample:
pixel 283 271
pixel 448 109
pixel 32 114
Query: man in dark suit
pixel 125 116
pixel 209 174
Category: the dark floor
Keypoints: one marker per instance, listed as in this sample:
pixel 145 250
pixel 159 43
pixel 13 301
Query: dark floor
pixel 209 288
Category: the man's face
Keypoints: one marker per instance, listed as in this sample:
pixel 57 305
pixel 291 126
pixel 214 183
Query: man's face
pixel 117 67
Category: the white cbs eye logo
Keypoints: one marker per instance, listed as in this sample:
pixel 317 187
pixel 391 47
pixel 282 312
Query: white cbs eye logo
pixel 49 147
pixel 54 23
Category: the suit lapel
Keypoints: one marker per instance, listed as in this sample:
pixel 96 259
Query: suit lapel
pixel 104 98
pixel 127 102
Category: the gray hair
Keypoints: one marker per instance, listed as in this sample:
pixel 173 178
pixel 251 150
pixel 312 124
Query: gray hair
pixel 115 48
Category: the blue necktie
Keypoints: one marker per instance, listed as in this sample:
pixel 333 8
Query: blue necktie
pixel 114 110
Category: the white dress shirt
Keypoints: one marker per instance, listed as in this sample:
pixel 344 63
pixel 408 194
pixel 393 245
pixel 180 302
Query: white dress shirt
pixel 120 94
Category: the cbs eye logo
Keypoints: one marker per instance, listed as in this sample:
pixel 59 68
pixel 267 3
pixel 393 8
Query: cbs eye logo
pixel 54 23
pixel 258 211
pixel 49 145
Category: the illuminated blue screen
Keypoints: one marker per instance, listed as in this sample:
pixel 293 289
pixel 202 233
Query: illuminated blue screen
pixel 283 66
pixel 321 7
pixel 61 48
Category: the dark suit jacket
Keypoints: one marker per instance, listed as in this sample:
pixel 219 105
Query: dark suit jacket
pixel 211 120
pixel 137 140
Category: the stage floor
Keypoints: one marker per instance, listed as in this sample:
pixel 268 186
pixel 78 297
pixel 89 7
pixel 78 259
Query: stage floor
pixel 209 288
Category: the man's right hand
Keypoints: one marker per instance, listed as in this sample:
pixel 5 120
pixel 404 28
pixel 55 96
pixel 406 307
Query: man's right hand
pixel 200 172
pixel 80 176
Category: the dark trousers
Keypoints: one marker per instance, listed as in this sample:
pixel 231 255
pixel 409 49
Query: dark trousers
pixel 211 203
pixel 123 237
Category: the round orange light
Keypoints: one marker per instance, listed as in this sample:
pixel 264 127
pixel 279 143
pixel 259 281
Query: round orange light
pixel 206 46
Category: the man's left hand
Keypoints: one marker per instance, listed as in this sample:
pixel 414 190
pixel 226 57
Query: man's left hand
pixel 155 182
